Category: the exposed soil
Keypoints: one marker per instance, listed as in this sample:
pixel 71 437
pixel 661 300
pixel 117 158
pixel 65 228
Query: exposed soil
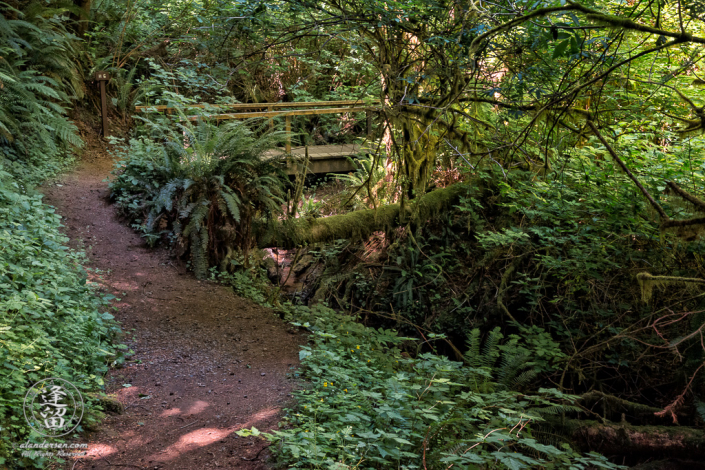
pixel 207 362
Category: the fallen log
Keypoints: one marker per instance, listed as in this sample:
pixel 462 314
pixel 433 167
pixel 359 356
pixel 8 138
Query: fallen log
pixel 623 439
pixel 671 464
pixel 359 224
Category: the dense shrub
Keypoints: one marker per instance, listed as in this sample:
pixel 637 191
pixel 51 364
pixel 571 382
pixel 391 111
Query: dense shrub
pixel 203 186
pixel 561 253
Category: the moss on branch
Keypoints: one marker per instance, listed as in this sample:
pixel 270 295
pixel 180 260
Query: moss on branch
pixel 359 224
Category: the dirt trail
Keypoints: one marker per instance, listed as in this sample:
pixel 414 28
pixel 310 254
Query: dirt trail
pixel 209 362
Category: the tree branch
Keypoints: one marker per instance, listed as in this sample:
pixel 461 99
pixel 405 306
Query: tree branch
pixel 687 196
pixel 656 205
pixel 358 224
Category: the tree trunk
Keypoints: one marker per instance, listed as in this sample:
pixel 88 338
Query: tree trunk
pixel 83 19
pixel 358 224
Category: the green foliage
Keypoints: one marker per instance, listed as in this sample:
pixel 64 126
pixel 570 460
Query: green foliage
pixel 183 85
pixel 248 280
pixel 38 73
pixel 417 279
pixel 367 406
pixel 51 322
pixel 550 259
pixel 124 84
pixel 310 207
pixel 204 186
pixel 367 181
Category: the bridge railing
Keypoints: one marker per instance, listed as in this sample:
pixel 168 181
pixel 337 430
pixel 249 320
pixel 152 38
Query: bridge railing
pixel 320 107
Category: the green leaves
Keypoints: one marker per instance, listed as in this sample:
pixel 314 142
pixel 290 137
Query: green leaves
pixel 253 431
pixel 364 402
pixel 560 48
pixel 51 323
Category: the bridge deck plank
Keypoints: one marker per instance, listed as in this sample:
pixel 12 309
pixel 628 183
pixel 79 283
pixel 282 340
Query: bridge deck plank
pixel 321 151
pixel 324 158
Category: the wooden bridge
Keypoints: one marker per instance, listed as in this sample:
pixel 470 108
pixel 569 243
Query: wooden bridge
pixel 322 158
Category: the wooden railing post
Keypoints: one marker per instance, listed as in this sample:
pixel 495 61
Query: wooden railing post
pixel 102 78
pixel 271 120
pixel 288 133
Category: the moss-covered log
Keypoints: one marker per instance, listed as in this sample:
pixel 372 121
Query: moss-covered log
pixel 359 224
pixel 624 439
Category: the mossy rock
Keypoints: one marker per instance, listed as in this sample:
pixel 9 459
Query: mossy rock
pixel 109 403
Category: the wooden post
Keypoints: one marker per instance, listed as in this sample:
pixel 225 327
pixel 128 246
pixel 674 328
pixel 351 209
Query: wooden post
pixel 271 121
pixel 287 120
pixel 101 78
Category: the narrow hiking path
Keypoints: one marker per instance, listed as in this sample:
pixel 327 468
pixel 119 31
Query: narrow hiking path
pixel 207 362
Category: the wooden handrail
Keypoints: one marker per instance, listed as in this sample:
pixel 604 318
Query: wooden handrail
pixel 354 106
pixel 273 114
pixel 303 104
pixel 287 115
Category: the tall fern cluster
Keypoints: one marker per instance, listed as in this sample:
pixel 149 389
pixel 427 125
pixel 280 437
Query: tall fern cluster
pixel 38 75
pixel 51 323
pixel 203 186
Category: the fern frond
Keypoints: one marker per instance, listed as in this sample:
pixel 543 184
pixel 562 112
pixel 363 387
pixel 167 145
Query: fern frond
pixel 523 380
pixel 490 350
pixel 164 199
pixel 186 211
pixel 197 216
pixel 510 365
pixel 42 89
pixel 472 355
pixel 232 202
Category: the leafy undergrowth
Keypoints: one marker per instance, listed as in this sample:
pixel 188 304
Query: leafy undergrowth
pixel 544 259
pixel 51 322
pixel 367 405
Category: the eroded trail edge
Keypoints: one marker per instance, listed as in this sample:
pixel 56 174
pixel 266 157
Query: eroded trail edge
pixel 207 362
